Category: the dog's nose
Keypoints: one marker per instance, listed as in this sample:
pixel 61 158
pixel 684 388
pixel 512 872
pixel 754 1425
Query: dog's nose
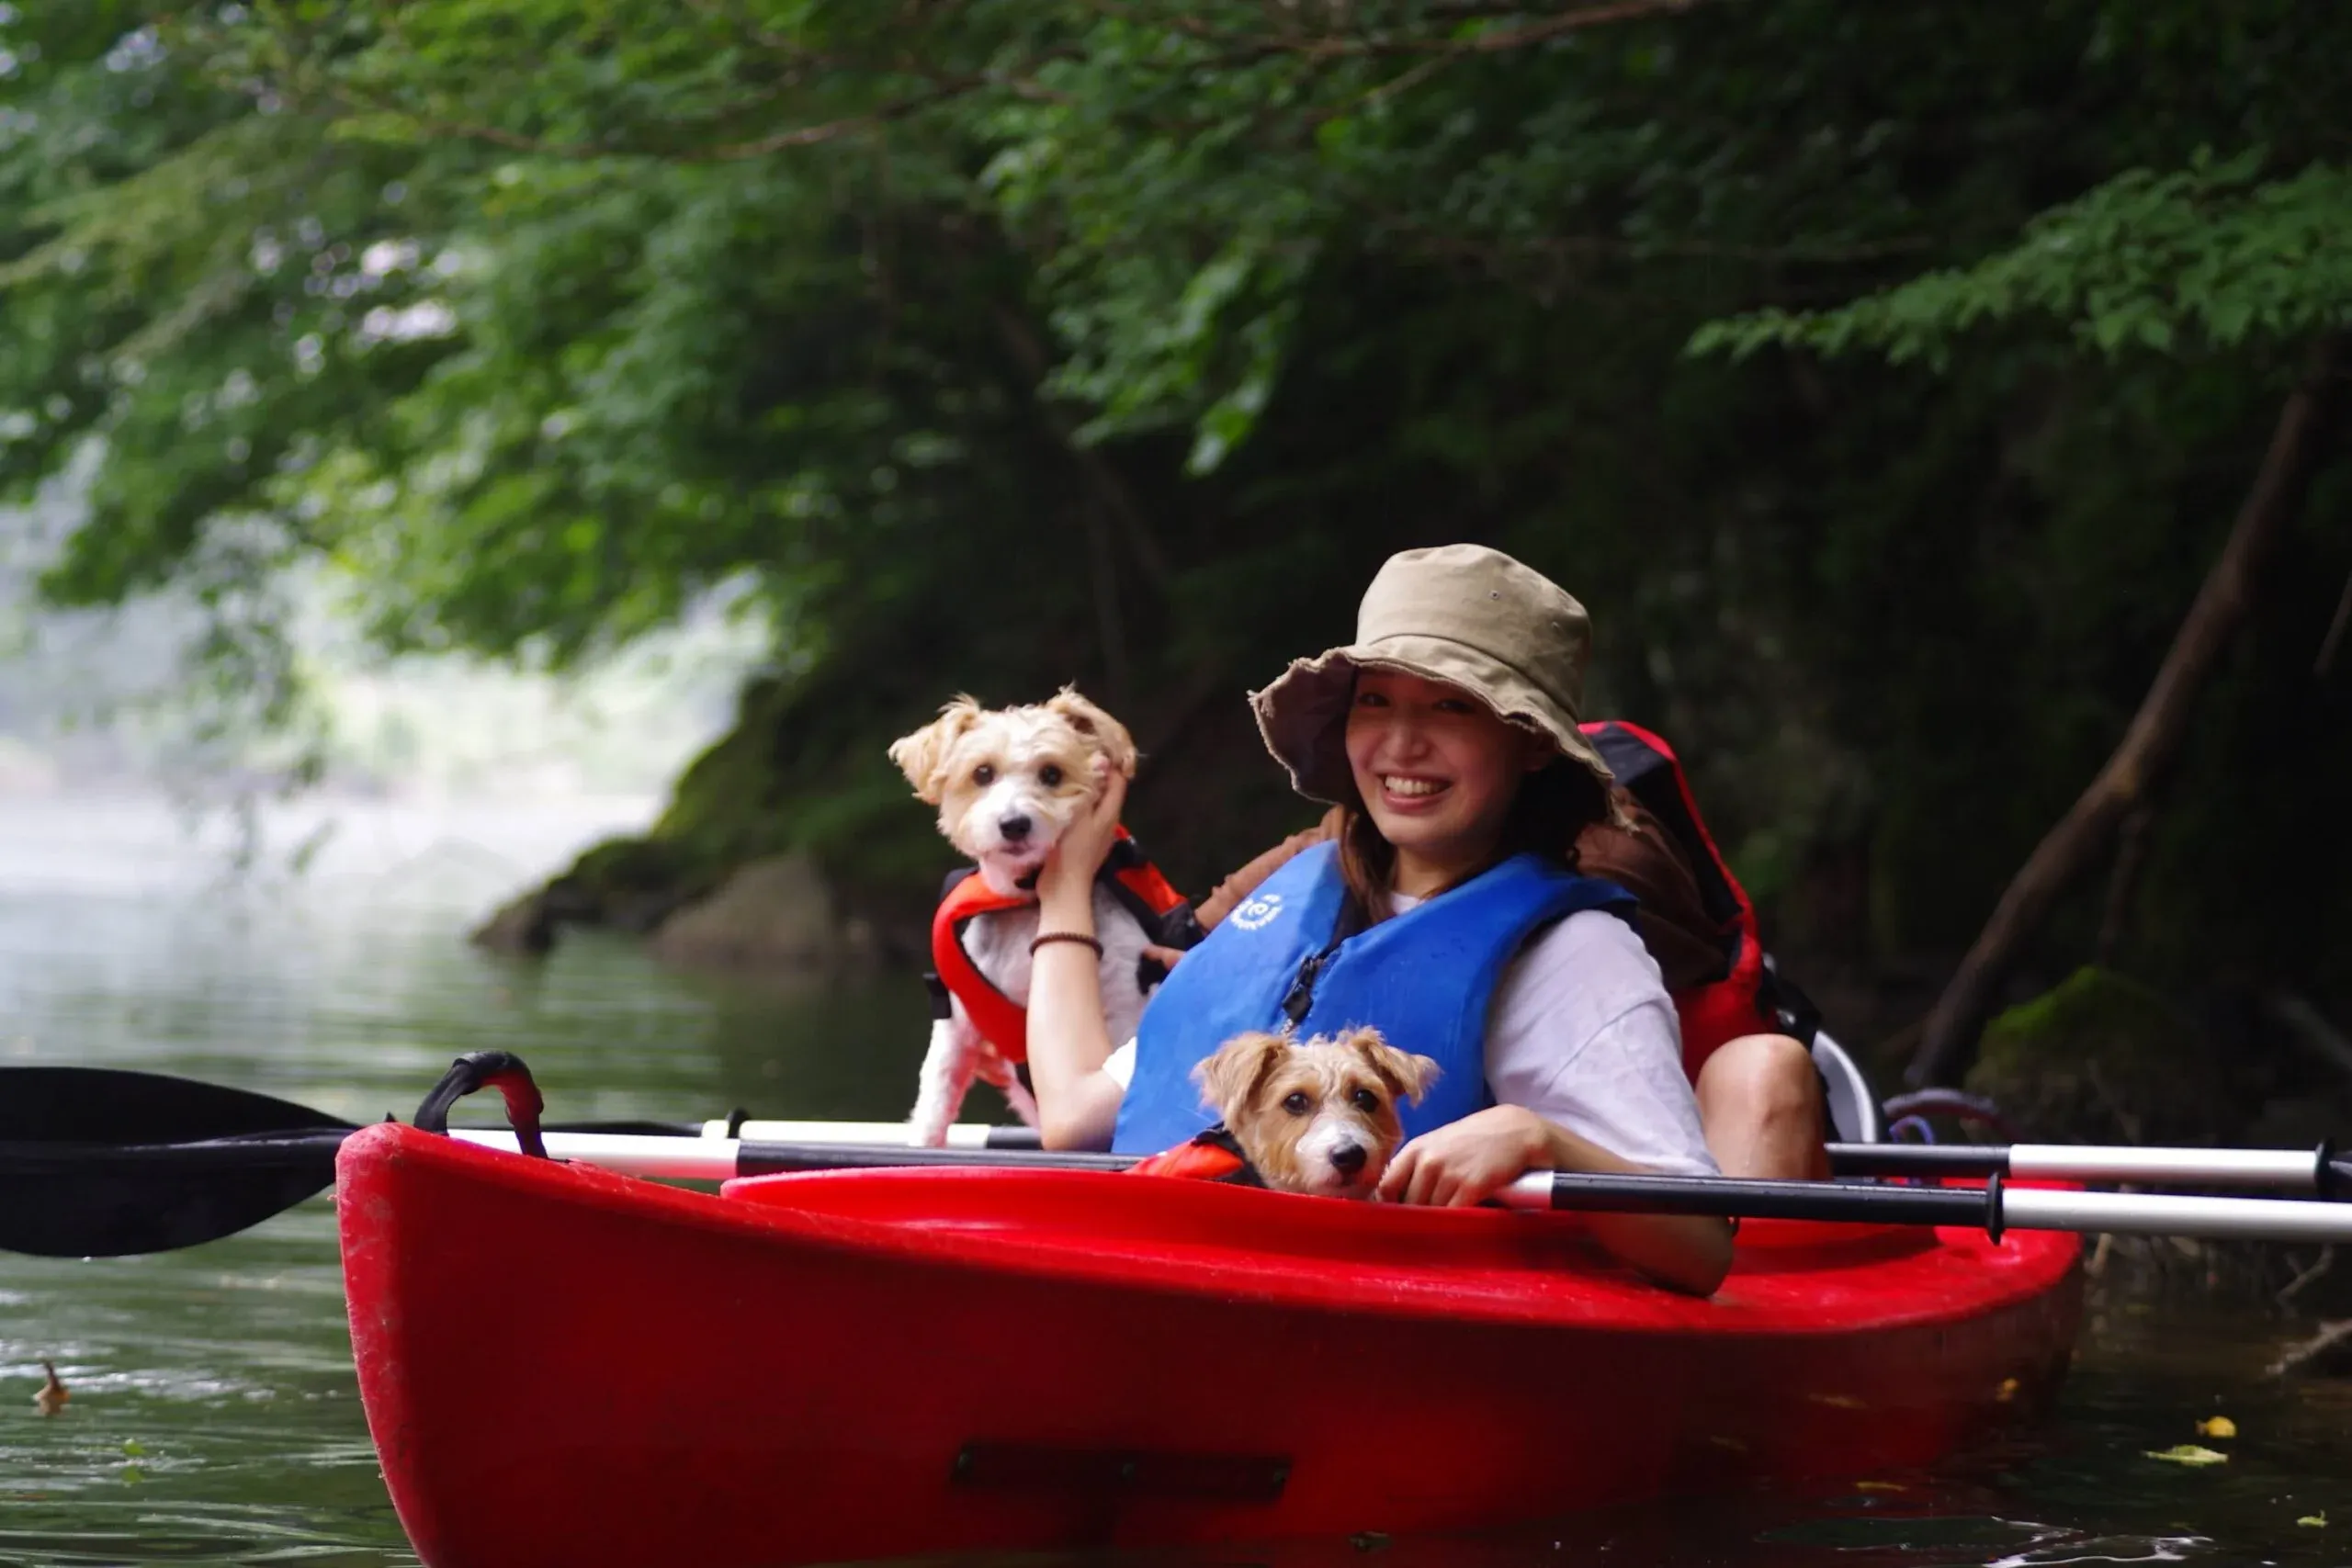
pixel 1348 1158
pixel 1013 828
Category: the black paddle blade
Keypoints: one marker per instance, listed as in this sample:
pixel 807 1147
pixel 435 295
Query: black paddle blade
pixel 103 1162
pixel 112 1105
pixel 99 1162
pixel 60 1200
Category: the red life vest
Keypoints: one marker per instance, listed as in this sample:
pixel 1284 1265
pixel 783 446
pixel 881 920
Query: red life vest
pixel 1739 1002
pixel 1002 1021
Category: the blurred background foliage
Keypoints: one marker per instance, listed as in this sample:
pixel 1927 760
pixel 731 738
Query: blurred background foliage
pixel 1884 378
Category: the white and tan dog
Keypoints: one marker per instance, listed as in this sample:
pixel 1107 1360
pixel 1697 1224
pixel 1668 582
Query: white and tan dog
pixel 1319 1116
pixel 1007 782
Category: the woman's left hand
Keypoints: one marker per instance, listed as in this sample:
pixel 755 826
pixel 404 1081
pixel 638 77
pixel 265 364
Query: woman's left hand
pixel 1468 1161
pixel 1079 854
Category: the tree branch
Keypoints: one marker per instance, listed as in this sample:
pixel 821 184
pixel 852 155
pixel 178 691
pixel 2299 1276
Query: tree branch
pixel 2329 1333
pixel 2298 449
pixel 2125 880
pixel 1246 49
pixel 2334 637
pixel 1239 50
pixel 1116 498
pixel 725 151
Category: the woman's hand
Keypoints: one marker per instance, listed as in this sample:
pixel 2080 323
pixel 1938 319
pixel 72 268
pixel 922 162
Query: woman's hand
pixel 1066 882
pixel 1469 1161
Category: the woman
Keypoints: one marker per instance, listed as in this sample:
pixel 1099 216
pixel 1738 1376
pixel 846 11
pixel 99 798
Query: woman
pixel 1445 914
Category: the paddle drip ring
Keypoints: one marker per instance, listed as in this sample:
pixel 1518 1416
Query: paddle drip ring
pixel 501 1070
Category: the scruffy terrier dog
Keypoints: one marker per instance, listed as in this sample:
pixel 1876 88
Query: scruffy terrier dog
pixel 1319 1117
pixel 1007 782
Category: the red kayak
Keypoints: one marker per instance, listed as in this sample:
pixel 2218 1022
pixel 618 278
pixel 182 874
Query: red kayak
pixel 570 1368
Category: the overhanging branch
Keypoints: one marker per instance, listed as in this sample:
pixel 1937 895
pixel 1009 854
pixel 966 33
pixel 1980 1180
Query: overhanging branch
pixel 2298 449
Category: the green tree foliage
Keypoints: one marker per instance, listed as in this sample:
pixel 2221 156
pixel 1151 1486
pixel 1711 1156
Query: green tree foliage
pixel 2211 257
pixel 1009 343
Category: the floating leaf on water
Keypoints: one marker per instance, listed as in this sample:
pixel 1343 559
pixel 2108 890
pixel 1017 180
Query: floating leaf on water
pixel 2189 1453
pixel 2313 1521
pixel 134 1447
pixel 52 1394
pixel 132 1475
pixel 2217 1426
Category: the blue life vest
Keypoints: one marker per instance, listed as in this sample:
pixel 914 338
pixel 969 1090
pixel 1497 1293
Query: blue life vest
pixel 1423 978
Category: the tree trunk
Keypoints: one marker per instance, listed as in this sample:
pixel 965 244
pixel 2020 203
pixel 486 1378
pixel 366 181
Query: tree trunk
pixel 2297 449
pixel 1109 488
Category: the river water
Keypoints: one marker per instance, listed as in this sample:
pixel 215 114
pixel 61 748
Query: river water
pixel 214 1416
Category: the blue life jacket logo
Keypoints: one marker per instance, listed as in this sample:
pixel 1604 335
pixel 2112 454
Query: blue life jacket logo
pixel 1258 912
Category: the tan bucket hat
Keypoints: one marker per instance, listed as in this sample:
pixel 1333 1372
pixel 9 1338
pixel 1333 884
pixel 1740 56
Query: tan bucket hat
pixel 1462 614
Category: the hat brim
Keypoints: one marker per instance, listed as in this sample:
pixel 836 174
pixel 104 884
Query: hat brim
pixel 1303 714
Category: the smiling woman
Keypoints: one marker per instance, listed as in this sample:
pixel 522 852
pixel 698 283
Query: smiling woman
pixel 1443 784
pixel 1449 917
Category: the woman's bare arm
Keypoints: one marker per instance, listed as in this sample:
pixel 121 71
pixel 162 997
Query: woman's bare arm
pixel 1077 1103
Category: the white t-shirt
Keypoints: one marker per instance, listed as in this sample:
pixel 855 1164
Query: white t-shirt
pixel 1581 1032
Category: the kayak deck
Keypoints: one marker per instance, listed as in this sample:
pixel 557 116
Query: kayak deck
pixel 563 1366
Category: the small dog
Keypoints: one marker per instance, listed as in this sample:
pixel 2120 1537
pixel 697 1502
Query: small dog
pixel 1007 782
pixel 1319 1117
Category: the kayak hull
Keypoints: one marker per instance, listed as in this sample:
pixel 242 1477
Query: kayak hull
pixel 565 1367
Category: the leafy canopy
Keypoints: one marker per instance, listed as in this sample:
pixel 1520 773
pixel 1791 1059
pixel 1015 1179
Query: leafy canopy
pixel 1000 343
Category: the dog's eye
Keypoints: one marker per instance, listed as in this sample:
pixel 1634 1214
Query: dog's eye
pixel 1296 1102
pixel 984 774
pixel 1049 775
pixel 1364 1100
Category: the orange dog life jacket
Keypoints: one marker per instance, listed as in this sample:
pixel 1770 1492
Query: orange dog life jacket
pixel 1212 1155
pixel 1163 912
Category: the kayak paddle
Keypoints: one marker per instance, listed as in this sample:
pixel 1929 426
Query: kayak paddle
pixel 2321 1171
pixel 1994 1207
pixel 97 1162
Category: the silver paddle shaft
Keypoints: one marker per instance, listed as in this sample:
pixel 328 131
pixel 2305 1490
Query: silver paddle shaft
pixel 627 1154
pixel 2126 1213
pixel 1994 1208
pixel 2319 1171
pixel 2167 1213
pixel 2297 1170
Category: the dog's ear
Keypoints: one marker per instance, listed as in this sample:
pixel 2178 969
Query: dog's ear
pixel 1408 1076
pixel 921 755
pixel 1230 1076
pixel 1107 734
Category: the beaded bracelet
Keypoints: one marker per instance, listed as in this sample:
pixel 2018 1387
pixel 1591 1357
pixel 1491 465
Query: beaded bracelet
pixel 1045 937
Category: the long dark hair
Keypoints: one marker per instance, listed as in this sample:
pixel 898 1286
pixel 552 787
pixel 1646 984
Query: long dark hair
pixel 1552 810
